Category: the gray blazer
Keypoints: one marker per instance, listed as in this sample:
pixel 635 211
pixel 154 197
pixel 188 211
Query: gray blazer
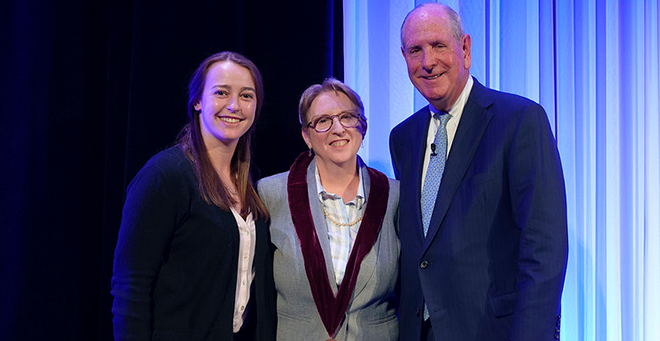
pixel 371 314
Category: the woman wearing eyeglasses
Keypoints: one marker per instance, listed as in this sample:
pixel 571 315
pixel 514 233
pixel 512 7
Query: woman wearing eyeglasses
pixel 333 224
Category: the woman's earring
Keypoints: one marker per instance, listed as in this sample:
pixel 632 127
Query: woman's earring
pixel 310 152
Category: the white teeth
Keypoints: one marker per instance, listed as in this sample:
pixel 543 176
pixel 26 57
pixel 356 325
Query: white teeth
pixel 229 119
pixel 434 77
pixel 339 143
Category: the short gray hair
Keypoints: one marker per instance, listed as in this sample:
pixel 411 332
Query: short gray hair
pixel 328 85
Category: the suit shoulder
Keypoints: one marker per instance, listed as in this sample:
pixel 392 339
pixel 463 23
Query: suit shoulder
pixel 512 102
pixel 273 182
pixel 274 179
pixel 273 191
pixel 393 183
pixel 409 122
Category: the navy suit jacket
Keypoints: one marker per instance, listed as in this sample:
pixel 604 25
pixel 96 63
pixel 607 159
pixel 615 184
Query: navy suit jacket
pixel 493 263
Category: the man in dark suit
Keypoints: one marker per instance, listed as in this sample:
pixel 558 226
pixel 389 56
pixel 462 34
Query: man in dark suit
pixel 483 207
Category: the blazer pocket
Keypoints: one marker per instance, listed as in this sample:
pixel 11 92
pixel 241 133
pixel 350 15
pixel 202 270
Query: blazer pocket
pixel 503 305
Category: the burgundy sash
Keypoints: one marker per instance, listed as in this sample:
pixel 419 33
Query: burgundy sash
pixel 332 309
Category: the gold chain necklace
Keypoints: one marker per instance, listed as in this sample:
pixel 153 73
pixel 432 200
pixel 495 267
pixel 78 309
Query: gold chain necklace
pixel 327 215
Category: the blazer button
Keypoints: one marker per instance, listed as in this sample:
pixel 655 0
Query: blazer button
pixel 424 264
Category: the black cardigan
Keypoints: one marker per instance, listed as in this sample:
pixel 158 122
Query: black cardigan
pixel 175 263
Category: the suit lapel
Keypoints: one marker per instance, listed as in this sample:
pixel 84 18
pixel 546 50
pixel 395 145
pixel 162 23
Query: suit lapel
pixel 332 308
pixel 320 224
pixel 474 120
pixel 369 262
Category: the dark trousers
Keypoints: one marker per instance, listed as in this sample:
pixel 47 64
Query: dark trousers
pixel 427 331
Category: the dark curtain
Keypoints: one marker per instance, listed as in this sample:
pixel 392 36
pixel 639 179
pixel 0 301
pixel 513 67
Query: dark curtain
pixel 89 90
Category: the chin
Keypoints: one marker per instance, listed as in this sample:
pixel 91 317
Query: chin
pixel 434 94
pixel 340 160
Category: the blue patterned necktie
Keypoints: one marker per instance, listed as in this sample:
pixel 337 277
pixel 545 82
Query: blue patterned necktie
pixel 433 176
pixel 434 172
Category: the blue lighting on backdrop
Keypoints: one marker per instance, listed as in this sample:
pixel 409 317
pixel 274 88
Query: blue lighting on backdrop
pixel 595 67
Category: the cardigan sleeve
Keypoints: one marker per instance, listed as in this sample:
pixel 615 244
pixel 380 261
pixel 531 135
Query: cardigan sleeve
pixel 155 204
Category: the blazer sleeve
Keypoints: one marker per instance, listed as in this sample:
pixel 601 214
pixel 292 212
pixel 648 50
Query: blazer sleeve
pixel 150 215
pixel 538 201
pixel 394 150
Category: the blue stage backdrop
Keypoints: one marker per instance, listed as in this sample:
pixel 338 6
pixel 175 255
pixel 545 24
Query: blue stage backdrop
pixel 595 67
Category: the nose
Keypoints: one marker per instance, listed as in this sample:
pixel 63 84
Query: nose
pixel 428 62
pixel 233 106
pixel 337 127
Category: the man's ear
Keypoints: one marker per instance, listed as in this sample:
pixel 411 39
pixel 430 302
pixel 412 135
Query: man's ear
pixel 466 46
